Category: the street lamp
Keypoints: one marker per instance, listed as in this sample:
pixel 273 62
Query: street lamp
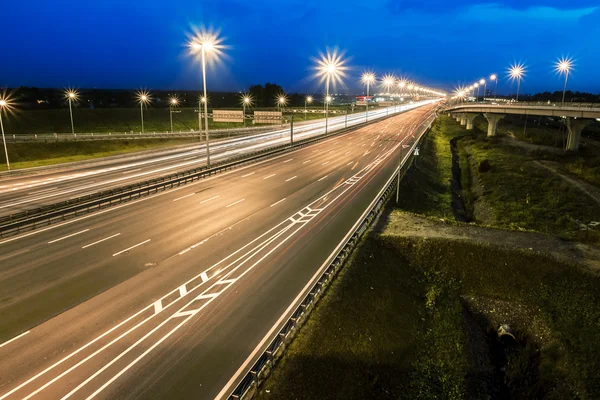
pixel 71 95
pixel 281 102
pixel 202 43
pixel 173 101
pixel 387 82
pixel 367 78
pixel 143 98
pixel 517 71
pixel 246 101
pixel 563 66
pixel 308 100
pixel 4 104
pixel 484 83
pixel 330 66
pixel 476 86
pixel 494 77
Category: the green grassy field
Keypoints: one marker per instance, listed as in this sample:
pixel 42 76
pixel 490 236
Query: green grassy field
pixel 27 155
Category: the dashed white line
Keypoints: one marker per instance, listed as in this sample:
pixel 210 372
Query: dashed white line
pixel 234 203
pixel 306 162
pixel 13 339
pixel 346 152
pixel 132 247
pixel 269 176
pixel 99 241
pixel 325 163
pixel 350 163
pixel 274 204
pixel 287 161
pixel 68 236
pixel 183 197
pixel 322 178
pixel 293 177
pixel 251 173
pixel 207 200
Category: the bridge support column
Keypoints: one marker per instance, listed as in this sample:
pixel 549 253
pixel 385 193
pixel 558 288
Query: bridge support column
pixel 456 117
pixel 470 117
pixel 574 127
pixel 463 119
pixel 493 122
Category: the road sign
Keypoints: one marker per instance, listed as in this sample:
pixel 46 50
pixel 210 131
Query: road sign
pixel 228 116
pixel 416 153
pixel 267 117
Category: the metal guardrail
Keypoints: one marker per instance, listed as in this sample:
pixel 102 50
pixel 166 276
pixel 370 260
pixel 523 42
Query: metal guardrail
pixel 247 388
pixel 69 137
pixel 27 220
pixel 545 104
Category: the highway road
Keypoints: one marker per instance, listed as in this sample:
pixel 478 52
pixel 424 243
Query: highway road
pixel 168 296
pixel 31 191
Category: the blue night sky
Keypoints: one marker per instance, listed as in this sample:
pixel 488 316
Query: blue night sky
pixel 441 43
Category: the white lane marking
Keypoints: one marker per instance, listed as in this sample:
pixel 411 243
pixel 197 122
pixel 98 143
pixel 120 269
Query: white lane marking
pixel 120 324
pixel 13 339
pixel 132 247
pixel 350 163
pixel 322 178
pixel 325 163
pixel 274 204
pixel 234 203
pixel 68 236
pixel 133 170
pixel 158 306
pixel 269 176
pixel 287 161
pixel 293 177
pixel 306 162
pixel 101 240
pixel 182 291
pixel 183 197
pixel 130 203
pixel 207 200
pixel 251 173
pixel 346 152
pixel 204 277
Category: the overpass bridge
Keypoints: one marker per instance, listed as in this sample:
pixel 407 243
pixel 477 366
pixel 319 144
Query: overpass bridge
pixel 577 116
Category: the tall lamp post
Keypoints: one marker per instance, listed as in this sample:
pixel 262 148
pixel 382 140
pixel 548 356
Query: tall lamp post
pixel 4 105
pixel 476 85
pixel 203 43
pixel 143 99
pixel 517 71
pixel 330 66
pixel 246 102
pixel 494 78
pixel 367 78
pixel 308 100
pixel 172 103
pixel 281 102
pixel 484 83
pixel 563 66
pixel 71 96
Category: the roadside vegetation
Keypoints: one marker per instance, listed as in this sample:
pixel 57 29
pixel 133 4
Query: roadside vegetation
pixel 415 314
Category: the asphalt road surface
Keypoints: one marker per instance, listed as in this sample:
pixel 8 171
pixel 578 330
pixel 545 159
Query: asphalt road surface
pixel 169 295
pixel 31 191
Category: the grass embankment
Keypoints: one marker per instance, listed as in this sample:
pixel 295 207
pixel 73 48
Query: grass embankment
pixel 28 155
pixel 509 190
pixel 416 317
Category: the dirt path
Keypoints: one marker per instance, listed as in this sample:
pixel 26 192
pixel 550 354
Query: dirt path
pixel 592 191
pixel 413 225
